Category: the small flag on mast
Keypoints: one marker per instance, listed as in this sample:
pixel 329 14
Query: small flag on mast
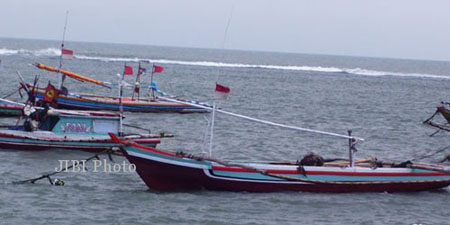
pixel 66 53
pixel 221 92
pixel 157 69
pixel 128 70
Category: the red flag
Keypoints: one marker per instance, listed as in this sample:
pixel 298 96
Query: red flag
pixel 66 53
pixel 51 93
pixel 221 92
pixel 157 69
pixel 128 70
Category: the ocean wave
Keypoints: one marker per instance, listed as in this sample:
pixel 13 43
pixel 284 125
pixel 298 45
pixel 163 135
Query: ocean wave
pixel 354 71
pixel 325 69
pixel 38 52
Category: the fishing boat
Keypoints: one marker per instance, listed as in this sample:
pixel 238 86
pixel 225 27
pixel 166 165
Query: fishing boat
pixel 169 171
pixel 178 171
pixel 131 104
pixel 47 128
pixel 10 108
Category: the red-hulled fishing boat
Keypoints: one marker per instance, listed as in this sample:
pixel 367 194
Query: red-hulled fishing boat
pixel 177 171
pixel 167 171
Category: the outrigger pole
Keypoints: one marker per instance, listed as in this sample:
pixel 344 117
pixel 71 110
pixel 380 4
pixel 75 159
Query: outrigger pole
pixel 120 102
pixel 264 121
pixel 62 47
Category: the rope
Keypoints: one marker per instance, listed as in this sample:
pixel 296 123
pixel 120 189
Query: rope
pixel 10 94
pixel 33 180
pixel 137 127
pixel 426 155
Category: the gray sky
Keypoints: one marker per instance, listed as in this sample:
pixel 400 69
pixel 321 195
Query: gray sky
pixel 381 28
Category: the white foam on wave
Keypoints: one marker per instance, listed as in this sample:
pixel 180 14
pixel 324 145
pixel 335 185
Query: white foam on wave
pixel 355 71
pixel 325 69
pixel 38 52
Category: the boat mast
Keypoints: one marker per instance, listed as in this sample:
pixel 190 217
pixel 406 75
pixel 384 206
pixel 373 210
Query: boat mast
pixel 63 77
pixel 121 80
pixel 137 84
pixel 120 103
pixel 151 82
pixel 351 149
pixel 213 114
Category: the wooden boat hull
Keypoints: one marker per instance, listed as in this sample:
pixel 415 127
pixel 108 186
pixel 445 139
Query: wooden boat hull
pixel 20 142
pixel 165 171
pixel 445 112
pixel 10 108
pixel 90 102
pixel 10 111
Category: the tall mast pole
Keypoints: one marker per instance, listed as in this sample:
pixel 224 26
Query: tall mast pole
pixel 211 134
pixel 151 82
pixel 62 47
pixel 138 82
pixel 120 102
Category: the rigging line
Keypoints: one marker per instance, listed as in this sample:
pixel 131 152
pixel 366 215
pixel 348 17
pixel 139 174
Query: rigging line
pixel 33 180
pixel 63 77
pixel 264 121
pixel 226 34
pixel 63 39
pixel 426 155
pixel 228 25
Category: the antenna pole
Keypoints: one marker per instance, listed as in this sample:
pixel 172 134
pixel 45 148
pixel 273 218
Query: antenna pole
pixel 226 29
pixel 63 77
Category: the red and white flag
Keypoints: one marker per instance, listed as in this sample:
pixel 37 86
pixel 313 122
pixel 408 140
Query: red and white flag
pixel 128 70
pixel 66 53
pixel 158 69
pixel 221 92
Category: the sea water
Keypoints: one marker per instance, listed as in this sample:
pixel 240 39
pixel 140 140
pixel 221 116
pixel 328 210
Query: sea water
pixel 381 100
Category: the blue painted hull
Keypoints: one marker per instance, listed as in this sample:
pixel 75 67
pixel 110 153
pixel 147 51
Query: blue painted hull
pixel 100 103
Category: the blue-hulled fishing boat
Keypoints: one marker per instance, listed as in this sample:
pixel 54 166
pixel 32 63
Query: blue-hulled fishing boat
pixel 131 104
pixel 48 128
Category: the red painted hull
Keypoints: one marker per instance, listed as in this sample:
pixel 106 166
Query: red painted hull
pixel 10 111
pixel 168 177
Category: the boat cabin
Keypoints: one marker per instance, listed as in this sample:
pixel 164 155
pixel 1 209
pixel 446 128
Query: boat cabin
pixel 75 122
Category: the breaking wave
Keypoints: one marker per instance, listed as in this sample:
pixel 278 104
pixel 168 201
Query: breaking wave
pixel 325 69
pixel 355 71
pixel 39 52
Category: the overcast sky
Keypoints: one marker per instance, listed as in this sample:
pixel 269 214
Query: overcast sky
pixel 416 29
